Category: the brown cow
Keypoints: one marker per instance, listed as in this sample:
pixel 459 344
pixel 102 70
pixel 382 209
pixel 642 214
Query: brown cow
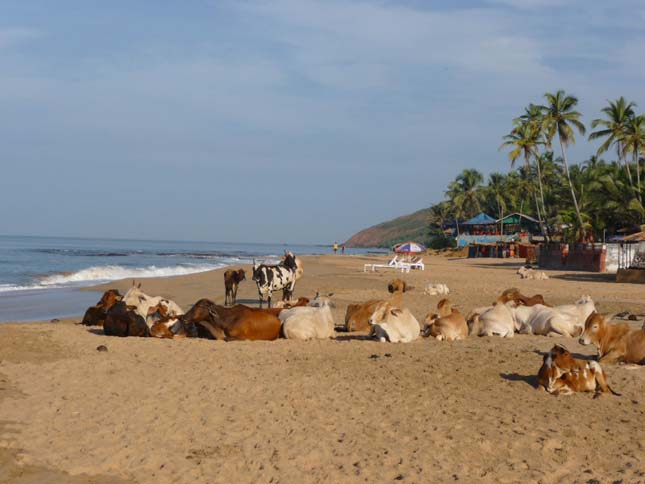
pixel 514 294
pixel 447 325
pixel 123 320
pixel 615 342
pixel 95 315
pixel 162 322
pixel 208 320
pixel 357 315
pixel 562 374
pixel 232 279
pixel 398 285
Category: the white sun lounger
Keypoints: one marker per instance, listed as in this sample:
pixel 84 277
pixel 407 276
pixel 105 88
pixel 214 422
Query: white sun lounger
pixel 416 264
pixel 392 264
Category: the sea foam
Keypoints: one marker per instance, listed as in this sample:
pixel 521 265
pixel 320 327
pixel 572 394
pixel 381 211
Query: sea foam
pixel 100 274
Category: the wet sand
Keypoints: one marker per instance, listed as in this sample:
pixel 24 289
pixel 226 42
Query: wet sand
pixel 344 410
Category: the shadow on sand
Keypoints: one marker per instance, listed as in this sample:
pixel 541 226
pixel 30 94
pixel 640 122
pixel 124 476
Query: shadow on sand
pixel 499 265
pixel 353 337
pixel 586 277
pixel 578 356
pixel 529 379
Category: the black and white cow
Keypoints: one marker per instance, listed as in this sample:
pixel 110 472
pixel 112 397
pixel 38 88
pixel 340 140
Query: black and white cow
pixel 273 278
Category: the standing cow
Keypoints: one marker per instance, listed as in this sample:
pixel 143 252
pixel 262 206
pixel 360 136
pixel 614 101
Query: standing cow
pixel 273 278
pixel 232 279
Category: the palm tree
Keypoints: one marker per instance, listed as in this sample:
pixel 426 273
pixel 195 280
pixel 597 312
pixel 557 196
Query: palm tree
pixel 495 189
pixel 559 117
pixel 618 115
pixel 633 140
pixel 464 194
pixel 524 140
pixel 533 114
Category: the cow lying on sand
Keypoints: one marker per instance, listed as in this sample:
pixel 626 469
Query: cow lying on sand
pixel 564 320
pixel 615 342
pixel 311 322
pixel 163 323
pixel 437 289
pixel 95 315
pixel 123 320
pixel 529 273
pixel 448 324
pixel 209 320
pixel 513 294
pixel 393 324
pixel 562 374
pixel 142 303
pixel 357 315
pixel 504 319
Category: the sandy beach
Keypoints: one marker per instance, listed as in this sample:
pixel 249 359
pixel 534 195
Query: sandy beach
pixel 343 410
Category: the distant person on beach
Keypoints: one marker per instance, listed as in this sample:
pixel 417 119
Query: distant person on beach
pixel 335 247
pixel 342 249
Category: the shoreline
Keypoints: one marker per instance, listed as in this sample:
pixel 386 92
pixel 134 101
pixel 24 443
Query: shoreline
pixel 186 289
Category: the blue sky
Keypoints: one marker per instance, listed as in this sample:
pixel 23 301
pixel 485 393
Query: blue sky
pixel 286 120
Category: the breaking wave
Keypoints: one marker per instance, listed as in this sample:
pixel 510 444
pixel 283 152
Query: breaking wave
pixel 101 274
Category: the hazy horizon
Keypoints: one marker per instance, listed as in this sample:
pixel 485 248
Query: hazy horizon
pixel 281 120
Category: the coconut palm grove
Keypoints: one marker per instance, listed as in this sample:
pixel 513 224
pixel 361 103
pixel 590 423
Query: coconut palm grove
pixel 572 201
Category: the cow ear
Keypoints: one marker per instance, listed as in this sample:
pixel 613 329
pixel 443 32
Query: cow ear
pixel 330 294
pixel 139 286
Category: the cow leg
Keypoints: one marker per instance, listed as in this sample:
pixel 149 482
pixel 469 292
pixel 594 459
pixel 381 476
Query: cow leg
pixel 226 298
pixel 234 294
pixel 612 357
pixel 269 300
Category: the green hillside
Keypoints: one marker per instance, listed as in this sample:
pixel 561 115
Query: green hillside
pixel 407 227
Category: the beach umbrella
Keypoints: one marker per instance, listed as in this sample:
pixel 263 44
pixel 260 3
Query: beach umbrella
pixel 409 248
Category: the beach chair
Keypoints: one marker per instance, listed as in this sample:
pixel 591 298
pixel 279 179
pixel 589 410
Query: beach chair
pixel 394 263
pixel 416 263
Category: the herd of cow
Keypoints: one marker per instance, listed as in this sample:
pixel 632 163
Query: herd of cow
pixel 138 314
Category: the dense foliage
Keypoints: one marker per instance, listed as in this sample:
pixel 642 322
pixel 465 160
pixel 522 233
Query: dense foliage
pixel 570 200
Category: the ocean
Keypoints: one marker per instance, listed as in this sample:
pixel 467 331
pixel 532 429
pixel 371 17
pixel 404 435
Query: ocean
pixel 40 277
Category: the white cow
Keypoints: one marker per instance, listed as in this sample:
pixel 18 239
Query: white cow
pixel 565 320
pixel 393 324
pixel 497 320
pixel 309 322
pixel 437 289
pixel 528 273
pixel 143 303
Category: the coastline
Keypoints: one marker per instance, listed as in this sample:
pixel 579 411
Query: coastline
pixel 42 278
pixel 176 411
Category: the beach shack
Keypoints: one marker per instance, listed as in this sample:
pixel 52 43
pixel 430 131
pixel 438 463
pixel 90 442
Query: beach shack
pixel 526 228
pixel 481 229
